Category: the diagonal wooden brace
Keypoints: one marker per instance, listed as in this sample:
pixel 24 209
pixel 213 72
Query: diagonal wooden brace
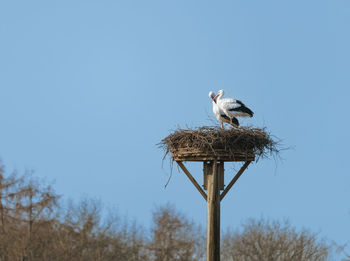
pixel 235 178
pixel 191 178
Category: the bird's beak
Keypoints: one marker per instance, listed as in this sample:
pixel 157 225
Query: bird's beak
pixel 213 100
pixel 215 97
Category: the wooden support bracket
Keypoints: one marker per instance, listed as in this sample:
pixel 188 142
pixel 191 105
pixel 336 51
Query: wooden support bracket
pixel 199 188
pixel 194 182
pixel 235 178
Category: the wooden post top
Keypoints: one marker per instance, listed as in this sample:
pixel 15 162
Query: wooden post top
pixel 194 154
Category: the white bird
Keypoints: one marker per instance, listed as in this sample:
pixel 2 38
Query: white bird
pixel 232 107
pixel 220 115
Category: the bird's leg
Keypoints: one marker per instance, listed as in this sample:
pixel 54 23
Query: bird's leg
pixel 222 125
pixel 231 122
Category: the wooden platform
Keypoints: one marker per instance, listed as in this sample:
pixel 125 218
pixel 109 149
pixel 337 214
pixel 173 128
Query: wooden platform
pixel 191 154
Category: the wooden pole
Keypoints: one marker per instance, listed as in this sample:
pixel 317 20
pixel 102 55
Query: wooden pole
pixel 213 198
pixel 213 215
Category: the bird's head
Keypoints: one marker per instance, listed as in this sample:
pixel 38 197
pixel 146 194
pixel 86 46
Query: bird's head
pixel 212 96
pixel 220 93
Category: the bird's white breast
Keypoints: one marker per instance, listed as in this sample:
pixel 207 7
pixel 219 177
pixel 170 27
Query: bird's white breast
pixel 216 110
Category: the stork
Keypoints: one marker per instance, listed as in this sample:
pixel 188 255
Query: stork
pixel 220 115
pixel 232 107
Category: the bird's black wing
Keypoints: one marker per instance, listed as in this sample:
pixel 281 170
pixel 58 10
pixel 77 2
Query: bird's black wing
pixel 240 103
pixel 235 121
pixel 242 108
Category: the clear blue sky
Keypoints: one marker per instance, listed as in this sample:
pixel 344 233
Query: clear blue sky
pixel 88 88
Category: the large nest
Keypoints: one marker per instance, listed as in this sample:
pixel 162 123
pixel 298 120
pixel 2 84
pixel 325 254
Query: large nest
pixel 248 141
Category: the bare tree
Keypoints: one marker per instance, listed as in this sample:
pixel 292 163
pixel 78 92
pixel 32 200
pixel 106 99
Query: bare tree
pixel 25 208
pixel 262 240
pixel 174 238
pixel 88 234
pixel 37 205
pixel 9 194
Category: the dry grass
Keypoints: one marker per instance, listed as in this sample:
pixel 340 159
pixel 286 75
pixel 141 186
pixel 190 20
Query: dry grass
pixel 211 139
